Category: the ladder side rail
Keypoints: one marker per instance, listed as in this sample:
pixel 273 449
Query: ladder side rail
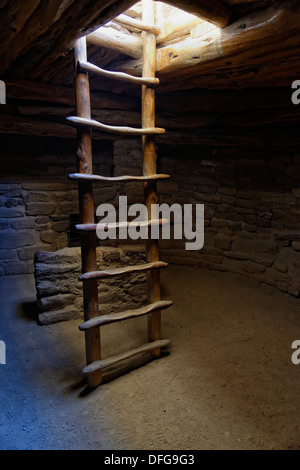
pixel 149 167
pixel 86 207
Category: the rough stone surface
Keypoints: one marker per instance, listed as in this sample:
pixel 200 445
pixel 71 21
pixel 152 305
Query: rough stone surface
pixel 38 204
pixel 59 292
pixel 251 199
pixel 251 211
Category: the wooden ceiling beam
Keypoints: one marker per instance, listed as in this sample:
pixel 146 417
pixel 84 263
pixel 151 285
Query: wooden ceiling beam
pixel 118 41
pixel 36 24
pixel 137 25
pixel 43 92
pixel 261 39
pixel 275 117
pixel 265 39
pixel 226 108
pixel 276 101
pixel 249 137
pixel 214 11
pixel 216 136
pixel 80 17
pixel 13 18
pixel 174 24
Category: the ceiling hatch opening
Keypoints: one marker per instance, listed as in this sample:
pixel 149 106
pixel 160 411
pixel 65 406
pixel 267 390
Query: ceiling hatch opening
pixel 180 39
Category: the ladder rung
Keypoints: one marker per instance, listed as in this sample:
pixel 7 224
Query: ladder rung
pixel 116 179
pixel 88 67
pixel 163 343
pixel 120 271
pixel 134 313
pixel 107 227
pixel 137 24
pixel 79 122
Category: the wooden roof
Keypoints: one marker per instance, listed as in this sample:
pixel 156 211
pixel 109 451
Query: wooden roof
pixel 211 44
pixel 259 46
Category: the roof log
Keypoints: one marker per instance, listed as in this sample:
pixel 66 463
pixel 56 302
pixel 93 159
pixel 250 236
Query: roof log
pixel 214 11
pixel 256 47
pixel 117 41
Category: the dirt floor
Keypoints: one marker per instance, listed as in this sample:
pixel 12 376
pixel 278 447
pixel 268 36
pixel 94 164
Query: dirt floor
pixel 228 382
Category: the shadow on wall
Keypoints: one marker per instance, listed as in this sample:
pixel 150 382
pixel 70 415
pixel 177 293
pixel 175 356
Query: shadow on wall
pixel 38 203
pixel 252 205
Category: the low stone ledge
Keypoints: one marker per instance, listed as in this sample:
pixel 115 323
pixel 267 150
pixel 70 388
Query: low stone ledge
pixel 59 292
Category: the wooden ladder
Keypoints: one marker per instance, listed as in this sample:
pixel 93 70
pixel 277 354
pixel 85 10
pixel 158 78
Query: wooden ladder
pixel 96 366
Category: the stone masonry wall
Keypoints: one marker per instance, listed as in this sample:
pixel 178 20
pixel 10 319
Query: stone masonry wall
pixel 251 198
pixel 252 207
pixel 38 201
pixel 59 292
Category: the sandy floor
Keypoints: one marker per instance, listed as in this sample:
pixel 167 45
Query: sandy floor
pixel 228 382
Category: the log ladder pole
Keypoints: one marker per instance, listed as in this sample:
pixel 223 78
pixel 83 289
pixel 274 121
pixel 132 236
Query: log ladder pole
pixel 149 166
pixel 96 367
pixel 86 209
